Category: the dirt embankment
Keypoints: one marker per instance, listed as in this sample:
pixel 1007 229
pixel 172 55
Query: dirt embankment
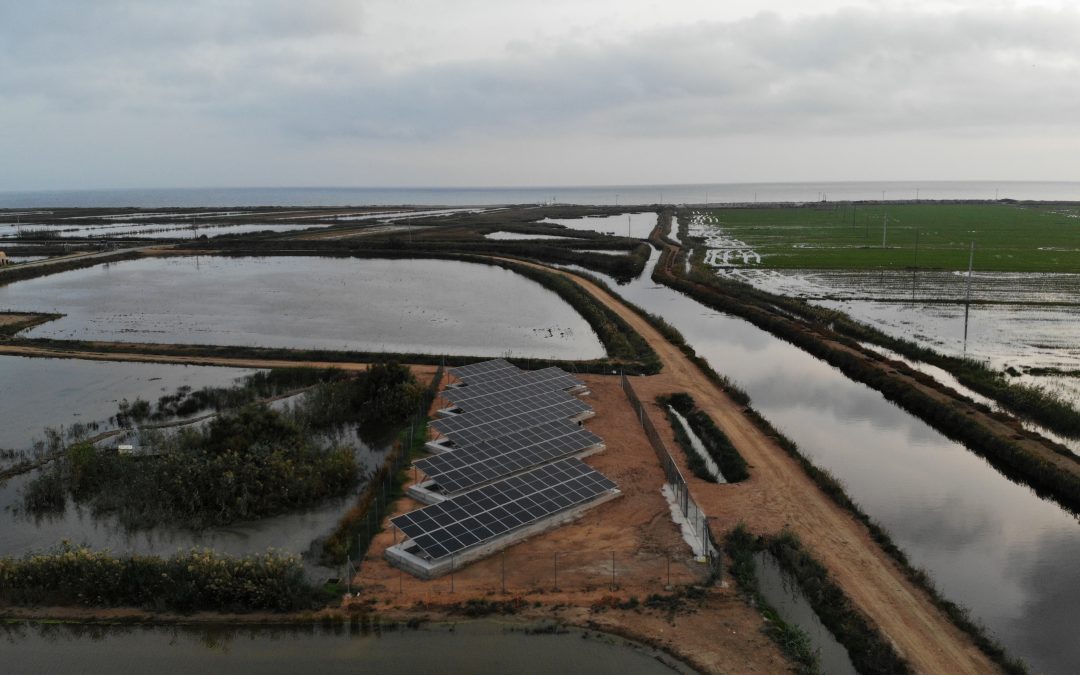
pixel 1026 455
pixel 779 494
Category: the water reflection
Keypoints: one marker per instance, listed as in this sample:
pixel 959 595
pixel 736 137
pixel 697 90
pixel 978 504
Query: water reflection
pixel 781 591
pixel 422 306
pixel 39 393
pixel 989 544
pixel 469 647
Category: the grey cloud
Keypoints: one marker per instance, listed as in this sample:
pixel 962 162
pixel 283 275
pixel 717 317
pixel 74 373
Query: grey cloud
pixel 290 67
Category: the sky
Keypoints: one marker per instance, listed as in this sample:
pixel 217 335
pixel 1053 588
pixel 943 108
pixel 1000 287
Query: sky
pixel 213 93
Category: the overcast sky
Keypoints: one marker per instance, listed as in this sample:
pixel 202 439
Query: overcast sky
pixel 191 93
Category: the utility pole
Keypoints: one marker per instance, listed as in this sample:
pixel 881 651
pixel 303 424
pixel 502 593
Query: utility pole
pixel 967 299
pixel 915 267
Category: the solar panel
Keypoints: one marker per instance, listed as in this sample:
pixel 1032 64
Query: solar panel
pixel 496 458
pixel 493 411
pixel 482 369
pixel 482 432
pixel 503 404
pixel 472 518
pixel 548 379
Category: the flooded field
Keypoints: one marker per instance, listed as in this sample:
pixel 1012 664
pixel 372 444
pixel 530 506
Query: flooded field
pixel 1001 336
pixel 901 285
pixel 40 393
pixel 16 259
pixel 515 236
pixel 1030 323
pixel 143 230
pixel 636 225
pixel 990 544
pixel 422 306
pixel 460 647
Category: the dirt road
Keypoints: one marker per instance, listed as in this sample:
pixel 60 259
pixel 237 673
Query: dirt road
pixel 779 494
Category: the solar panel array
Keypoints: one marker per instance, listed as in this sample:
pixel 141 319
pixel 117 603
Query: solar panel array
pixel 483 369
pixel 548 379
pixel 494 407
pixel 481 432
pixel 489 460
pixel 472 518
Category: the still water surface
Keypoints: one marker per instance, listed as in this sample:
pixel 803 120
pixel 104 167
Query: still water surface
pixel 782 592
pixel 635 225
pixel 420 306
pixel 40 393
pixel 466 647
pixel 990 544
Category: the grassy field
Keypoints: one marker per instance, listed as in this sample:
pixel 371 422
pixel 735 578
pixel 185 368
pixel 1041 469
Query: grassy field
pixel 1008 237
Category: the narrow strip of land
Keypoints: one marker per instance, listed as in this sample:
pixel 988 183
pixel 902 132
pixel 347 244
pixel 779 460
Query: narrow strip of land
pixel 231 362
pixel 780 494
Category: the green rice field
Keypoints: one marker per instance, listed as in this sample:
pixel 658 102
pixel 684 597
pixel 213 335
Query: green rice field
pixel 1008 237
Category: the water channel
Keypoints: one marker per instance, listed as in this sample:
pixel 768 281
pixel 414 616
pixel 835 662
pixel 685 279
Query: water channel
pixel 466 647
pixel 989 544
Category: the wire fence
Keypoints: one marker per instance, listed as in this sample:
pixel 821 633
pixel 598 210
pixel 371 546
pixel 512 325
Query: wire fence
pixel 515 571
pixel 374 503
pixel 696 518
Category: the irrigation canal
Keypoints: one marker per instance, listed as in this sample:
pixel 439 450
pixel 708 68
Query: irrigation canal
pixel 989 544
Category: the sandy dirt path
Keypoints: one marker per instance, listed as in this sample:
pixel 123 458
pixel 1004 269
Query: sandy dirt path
pixel 423 371
pixel 779 494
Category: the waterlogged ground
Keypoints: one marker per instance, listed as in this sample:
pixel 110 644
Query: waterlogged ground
pixel 145 230
pixel 39 393
pixel 419 306
pixel 459 647
pixel 519 236
pixel 1032 323
pixel 1036 325
pixel 635 225
pixel 1002 336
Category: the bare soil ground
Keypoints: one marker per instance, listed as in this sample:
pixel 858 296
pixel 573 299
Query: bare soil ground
pixel 14 319
pixel 717 633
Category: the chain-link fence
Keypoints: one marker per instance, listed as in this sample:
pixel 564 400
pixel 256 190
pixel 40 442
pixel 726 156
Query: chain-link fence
pixel 364 521
pixel 696 519
pixel 627 572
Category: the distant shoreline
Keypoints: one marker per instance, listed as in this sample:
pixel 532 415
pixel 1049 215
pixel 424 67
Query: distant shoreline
pixel 609 195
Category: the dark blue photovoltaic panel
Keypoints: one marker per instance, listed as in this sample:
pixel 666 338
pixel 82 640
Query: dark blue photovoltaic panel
pixel 472 518
pixel 484 369
pixel 547 379
pixel 494 410
pixel 469 434
pixel 472 465
pixel 505 404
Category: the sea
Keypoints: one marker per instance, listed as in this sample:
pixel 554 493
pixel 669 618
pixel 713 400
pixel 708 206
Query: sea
pixel 605 195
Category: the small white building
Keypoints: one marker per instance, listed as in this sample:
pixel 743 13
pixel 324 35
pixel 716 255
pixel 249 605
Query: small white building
pixel 4 260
